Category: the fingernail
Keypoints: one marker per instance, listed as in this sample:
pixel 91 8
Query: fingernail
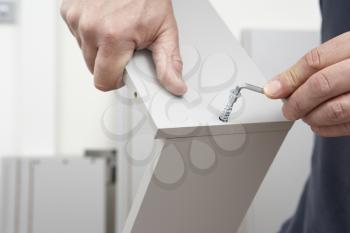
pixel 180 86
pixel 177 65
pixel 273 88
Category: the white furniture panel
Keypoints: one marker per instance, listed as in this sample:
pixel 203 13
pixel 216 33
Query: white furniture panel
pixel 202 174
pixel 196 188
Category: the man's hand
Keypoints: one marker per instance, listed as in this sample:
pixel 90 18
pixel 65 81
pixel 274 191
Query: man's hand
pixel 318 88
pixel 109 31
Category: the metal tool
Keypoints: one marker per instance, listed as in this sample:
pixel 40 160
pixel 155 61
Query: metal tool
pixel 235 94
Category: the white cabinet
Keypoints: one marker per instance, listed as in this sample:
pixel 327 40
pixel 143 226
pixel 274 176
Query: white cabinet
pixel 56 195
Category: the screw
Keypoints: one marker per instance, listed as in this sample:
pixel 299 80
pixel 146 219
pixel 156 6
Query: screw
pixel 235 94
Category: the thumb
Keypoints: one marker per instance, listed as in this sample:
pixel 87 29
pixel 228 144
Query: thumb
pixel 284 84
pixel 327 54
pixel 168 62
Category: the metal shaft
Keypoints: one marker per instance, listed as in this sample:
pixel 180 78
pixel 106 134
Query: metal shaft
pixel 253 88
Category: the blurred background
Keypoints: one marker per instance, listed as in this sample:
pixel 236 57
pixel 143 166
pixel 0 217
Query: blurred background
pixel 50 108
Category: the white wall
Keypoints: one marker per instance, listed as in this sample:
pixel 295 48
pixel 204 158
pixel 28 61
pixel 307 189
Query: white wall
pixel 36 83
pixel 273 14
pixel 27 91
pixel 80 106
pixel 8 35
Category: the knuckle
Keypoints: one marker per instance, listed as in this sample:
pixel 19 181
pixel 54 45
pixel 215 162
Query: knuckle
pixel 110 36
pixel 320 85
pixel 140 25
pixel 72 17
pixel 314 58
pixel 295 107
pixel 336 111
pixel 88 27
pixel 63 11
pixel 65 5
pixel 110 33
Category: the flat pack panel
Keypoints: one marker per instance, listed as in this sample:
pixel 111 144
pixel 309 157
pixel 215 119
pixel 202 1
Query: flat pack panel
pixel 69 196
pixel 214 63
pixel 206 173
pixel 203 184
